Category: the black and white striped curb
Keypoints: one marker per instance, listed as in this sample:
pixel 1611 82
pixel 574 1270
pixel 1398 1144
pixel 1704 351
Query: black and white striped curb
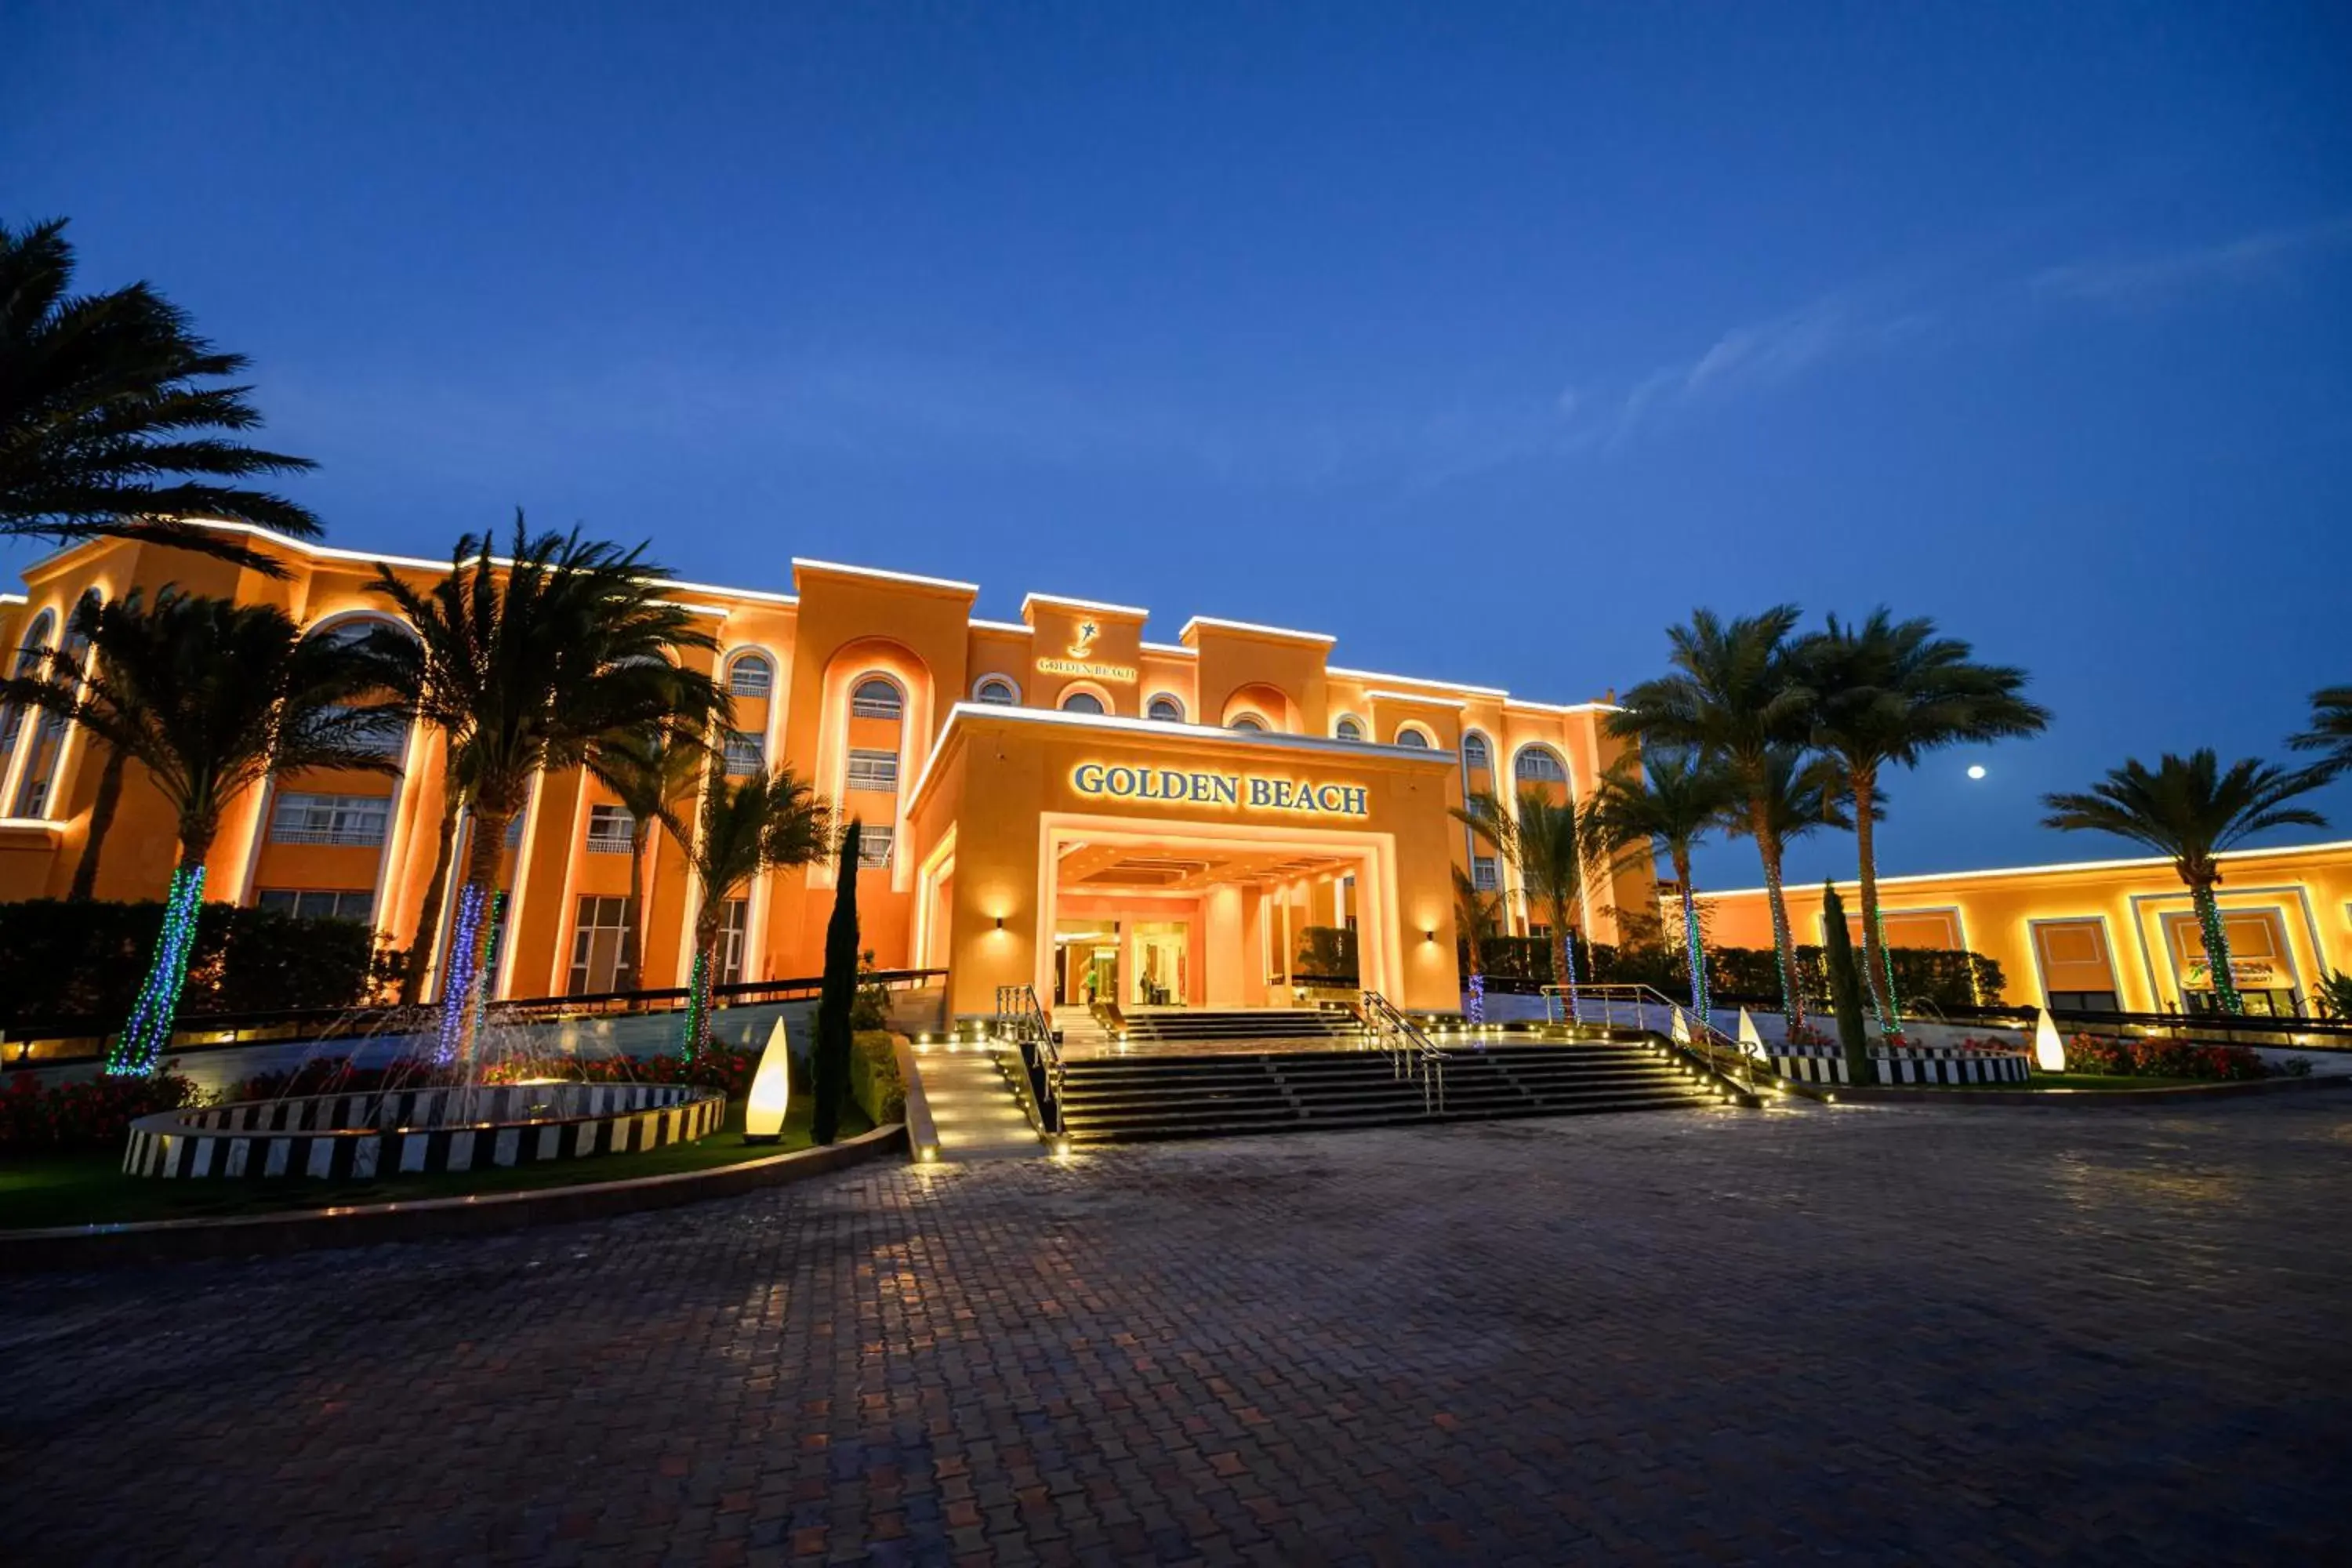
pixel 1905 1064
pixel 362 1137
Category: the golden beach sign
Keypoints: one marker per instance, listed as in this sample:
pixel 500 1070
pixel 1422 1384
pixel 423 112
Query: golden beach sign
pixel 1081 661
pixel 1237 792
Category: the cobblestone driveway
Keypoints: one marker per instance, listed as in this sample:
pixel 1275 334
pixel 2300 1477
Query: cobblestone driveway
pixel 1895 1334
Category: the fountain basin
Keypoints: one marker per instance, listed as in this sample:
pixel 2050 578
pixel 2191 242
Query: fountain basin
pixel 365 1136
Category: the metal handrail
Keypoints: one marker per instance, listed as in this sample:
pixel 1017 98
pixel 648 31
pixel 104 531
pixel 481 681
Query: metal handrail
pixel 1412 1053
pixel 1648 1010
pixel 1022 1020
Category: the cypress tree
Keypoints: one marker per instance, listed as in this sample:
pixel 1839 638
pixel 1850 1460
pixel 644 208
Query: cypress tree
pixel 1845 986
pixel 837 995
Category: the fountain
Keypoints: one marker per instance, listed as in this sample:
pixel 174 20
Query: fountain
pixel 502 1107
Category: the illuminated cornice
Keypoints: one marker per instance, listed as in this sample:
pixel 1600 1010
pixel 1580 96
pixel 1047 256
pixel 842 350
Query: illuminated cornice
pixel 1010 628
pixel 2059 868
pixel 1160 728
pixel 1194 627
pixel 1421 698
pixel 877 574
pixel 1088 606
pixel 1171 650
pixel 1562 706
pixel 1336 673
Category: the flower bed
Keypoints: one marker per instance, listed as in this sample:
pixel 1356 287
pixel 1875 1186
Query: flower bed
pixel 71 1118
pixel 2159 1057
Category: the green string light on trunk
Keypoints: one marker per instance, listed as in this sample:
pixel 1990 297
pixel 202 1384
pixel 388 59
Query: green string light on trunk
pixel 140 1047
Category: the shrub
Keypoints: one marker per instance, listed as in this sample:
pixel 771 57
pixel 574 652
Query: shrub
pixel 2162 1057
pixel 874 1080
pixel 73 1117
pixel 1947 977
pixel 871 1007
pixel 62 960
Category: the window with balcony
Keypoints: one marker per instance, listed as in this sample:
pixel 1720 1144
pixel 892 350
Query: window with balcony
pixel 874 845
pixel 319 903
pixel 746 754
pixel 354 821
pixel 876 698
pixel 611 830
pixel 873 771
pixel 1484 874
pixel 751 676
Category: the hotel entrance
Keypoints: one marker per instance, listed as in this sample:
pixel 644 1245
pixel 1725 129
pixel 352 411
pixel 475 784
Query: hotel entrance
pixel 1138 962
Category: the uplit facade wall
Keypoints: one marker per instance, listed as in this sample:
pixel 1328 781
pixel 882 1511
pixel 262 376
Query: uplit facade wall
pixel 2103 933
pixel 853 679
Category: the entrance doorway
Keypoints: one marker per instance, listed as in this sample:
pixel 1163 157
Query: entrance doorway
pixel 1157 976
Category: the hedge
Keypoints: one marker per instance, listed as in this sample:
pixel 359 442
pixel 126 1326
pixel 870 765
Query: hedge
pixel 1945 977
pixel 60 960
pixel 874 1080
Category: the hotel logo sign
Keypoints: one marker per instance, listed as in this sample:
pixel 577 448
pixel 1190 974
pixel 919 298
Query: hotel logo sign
pixel 1081 659
pixel 1237 792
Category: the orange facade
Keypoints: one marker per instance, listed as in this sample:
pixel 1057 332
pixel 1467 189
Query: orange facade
pixel 2103 934
pixel 995 764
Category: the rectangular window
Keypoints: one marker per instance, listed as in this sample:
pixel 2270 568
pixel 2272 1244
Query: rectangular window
pixel 731 942
pixel 874 847
pixel 611 830
pixel 875 770
pixel 745 754
pixel 1485 875
pixel 356 820
pixel 317 903
pixel 602 956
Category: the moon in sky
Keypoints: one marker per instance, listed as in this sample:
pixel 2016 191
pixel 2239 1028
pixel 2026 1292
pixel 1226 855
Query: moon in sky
pixel 1976 770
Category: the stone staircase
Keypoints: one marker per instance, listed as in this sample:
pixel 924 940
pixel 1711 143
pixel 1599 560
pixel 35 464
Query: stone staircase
pixel 1168 1095
pixel 973 1106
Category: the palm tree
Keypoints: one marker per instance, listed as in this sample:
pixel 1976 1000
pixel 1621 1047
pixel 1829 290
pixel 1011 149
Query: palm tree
pixel 523 665
pixel 1477 918
pixel 1665 803
pixel 1549 845
pixel 2190 810
pixel 2331 728
pixel 210 698
pixel 1730 697
pixel 1881 692
pixel 747 826
pixel 651 769
pixel 1800 792
pixel 102 401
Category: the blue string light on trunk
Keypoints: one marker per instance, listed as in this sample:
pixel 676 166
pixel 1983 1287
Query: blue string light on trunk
pixel 140 1047
pixel 457 990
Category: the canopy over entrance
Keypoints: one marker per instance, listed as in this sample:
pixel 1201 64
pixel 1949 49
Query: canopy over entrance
pixel 1197 856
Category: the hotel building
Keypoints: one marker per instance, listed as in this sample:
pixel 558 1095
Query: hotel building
pixel 1055 801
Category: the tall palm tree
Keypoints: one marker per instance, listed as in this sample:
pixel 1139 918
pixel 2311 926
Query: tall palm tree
pixel 1730 697
pixel 2190 810
pixel 1883 692
pixel 210 698
pixel 1551 846
pixel 1665 803
pixel 103 401
pixel 763 822
pixel 524 664
pixel 651 769
pixel 2331 728
pixel 1477 918
pixel 1800 792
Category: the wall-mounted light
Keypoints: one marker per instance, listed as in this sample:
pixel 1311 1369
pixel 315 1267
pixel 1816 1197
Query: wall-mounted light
pixel 999 922
pixel 1429 935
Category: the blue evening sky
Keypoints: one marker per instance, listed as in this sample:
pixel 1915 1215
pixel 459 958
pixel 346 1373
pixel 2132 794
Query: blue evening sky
pixel 1490 338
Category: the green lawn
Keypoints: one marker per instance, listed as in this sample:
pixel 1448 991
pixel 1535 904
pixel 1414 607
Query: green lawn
pixel 90 1189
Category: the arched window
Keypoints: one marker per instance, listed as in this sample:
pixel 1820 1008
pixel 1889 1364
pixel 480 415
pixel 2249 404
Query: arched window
pixel 1082 702
pixel 49 734
pixel 1166 708
pixel 386 737
pixel 997 691
pixel 1349 729
pixel 1416 738
pixel 1247 724
pixel 751 676
pixel 1474 753
pixel 28 663
pixel 876 698
pixel 1537 764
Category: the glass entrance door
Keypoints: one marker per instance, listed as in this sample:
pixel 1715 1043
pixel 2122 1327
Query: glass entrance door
pixel 1161 951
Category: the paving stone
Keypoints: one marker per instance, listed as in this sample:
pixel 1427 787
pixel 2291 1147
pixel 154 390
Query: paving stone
pixel 1886 1334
